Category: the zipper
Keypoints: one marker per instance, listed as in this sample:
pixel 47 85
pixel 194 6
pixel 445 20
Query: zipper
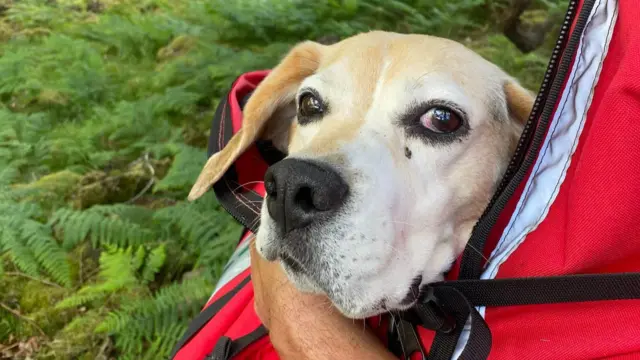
pixel 531 138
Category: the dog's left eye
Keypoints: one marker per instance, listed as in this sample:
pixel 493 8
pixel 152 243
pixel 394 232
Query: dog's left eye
pixel 441 120
pixel 309 106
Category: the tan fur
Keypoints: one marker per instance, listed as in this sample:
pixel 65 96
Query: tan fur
pixel 278 88
pixel 520 101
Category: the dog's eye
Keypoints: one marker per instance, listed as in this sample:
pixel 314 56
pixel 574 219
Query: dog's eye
pixel 310 106
pixel 441 120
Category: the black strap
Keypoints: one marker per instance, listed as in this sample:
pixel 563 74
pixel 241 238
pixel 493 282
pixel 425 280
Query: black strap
pixel 548 290
pixel 226 348
pixel 403 339
pixel 458 300
pixel 454 303
pixel 199 321
pixel 222 350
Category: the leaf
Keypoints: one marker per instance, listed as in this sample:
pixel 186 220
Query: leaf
pixel 154 263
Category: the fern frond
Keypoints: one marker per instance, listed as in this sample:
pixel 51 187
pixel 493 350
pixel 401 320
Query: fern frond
pixel 24 210
pixel 19 253
pixel 7 175
pixel 100 227
pixel 136 214
pixel 156 319
pixel 186 166
pixel 199 222
pixel 47 251
pixel 30 243
pixel 117 272
pixel 153 264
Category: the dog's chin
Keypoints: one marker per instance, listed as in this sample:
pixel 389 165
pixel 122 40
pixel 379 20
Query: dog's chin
pixel 347 304
pixel 299 280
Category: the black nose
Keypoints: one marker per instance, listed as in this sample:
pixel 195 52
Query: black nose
pixel 300 192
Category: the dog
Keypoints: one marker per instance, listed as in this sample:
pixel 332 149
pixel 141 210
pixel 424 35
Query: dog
pixel 394 146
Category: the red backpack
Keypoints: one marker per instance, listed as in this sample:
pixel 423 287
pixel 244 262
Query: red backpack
pixel 561 234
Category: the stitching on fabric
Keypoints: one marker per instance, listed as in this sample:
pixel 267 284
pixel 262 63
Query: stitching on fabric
pixel 238 197
pixel 249 190
pixel 222 121
pixel 548 204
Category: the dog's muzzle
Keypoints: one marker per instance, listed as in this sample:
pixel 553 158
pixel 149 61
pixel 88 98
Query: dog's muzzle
pixel 302 192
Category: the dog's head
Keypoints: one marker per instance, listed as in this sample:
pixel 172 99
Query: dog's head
pixel 395 144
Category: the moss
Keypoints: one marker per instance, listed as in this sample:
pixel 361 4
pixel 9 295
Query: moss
pixel 52 97
pixel 33 300
pixel 36 300
pixel 5 30
pixel 195 137
pixel 178 46
pixel 62 182
pixel 36 296
pixel 50 190
pixel 77 340
pixel 116 186
pixel 533 17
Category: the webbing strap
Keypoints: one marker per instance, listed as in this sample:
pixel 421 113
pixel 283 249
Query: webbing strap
pixel 547 290
pixel 226 348
pixel 458 299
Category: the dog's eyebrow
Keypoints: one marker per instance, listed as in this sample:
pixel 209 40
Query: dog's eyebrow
pixel 419 81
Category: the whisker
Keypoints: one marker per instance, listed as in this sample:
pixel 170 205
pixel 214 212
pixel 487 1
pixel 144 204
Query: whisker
pixel 245 184
pixel 236 183
pixel 477 251
pixel 403 223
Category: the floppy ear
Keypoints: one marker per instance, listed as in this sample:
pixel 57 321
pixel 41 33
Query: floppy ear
pixel 273 96
pixel 519 101
pixel 519 104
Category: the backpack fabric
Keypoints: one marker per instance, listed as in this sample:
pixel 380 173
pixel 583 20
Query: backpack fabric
pixel 561 234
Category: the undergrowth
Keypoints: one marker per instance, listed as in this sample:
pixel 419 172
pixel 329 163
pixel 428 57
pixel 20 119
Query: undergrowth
pixel 104 113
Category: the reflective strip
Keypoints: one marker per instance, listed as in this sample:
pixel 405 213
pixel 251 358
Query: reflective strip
pixel 559 145
pixel 239 262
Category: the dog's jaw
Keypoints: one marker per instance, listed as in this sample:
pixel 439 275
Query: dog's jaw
pixel 363 283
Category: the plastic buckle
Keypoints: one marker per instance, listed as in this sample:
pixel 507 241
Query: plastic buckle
pixel 430 309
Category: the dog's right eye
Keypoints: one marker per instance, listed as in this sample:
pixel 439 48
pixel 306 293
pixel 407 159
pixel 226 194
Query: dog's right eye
pixel 310 106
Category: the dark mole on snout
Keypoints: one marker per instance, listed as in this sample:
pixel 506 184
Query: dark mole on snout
pixel 407 152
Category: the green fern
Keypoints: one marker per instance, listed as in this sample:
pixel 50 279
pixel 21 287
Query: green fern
pixel 99 227
pixel 199 223
pixel 18 252
pixel 157 319
pixel 153 264
pixel 30 243
pixel 117 272
pixel 186 166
